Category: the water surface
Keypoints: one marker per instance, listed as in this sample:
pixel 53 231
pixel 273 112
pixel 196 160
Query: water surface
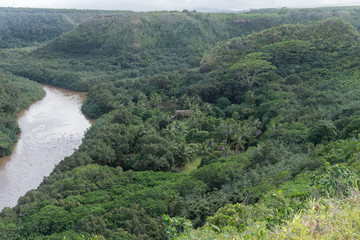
pixel 50 130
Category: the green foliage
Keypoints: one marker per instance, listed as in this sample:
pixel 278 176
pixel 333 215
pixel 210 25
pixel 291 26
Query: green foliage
pixel 24 26
pixel 175 226
pixel 321 219
pixel 230 215
pixel 118 138
pixel 99 151
pixel 212 176
pixel 222 103
pixel 99 200
pixel 249 68
pixel 338 181
pixel 322 133
pixel 99 101
pixel 263 112
pixel 50 219
pixel 341 151
pixel 352 129
pixel 154 154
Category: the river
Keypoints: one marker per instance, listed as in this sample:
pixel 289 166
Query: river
pixel 50 130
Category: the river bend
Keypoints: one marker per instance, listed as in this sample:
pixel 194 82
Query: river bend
pixel 51 129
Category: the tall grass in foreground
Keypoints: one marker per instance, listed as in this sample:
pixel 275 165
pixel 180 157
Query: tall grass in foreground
pixel 324 219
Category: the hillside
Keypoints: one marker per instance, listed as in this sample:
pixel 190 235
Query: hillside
pixel 21 27
pixel 148 40
pixel 322 219
pixel 271 115
pixel 274 116
pixel 133 45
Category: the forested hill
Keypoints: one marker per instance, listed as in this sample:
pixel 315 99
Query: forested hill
pixel 141 40
pixel 25 26
pixel 287 45
pixel 122 45
pixel 137 40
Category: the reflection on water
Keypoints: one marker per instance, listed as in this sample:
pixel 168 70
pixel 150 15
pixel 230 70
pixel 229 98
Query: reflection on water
pixel 51 129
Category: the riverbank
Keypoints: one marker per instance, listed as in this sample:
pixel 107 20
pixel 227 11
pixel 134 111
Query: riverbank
pixel 51 129
pixel 16 94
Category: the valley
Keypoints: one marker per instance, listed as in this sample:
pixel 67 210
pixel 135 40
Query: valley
pixel 208 125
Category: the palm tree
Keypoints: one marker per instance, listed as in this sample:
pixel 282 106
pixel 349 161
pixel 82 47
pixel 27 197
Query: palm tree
pixel 183 153
pixel 142 100
pixel 197 117
pixel 207 146
pixel 155 99
pixel 173 131
pixel 226 151
pixel 238 142
pixel 228 128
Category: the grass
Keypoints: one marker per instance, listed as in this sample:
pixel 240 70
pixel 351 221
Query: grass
pixel 192 165
pixel 326 219
pixel 323 219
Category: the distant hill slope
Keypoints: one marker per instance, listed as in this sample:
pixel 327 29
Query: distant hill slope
pixel 287 44
pixel 171 40
pixel 25 26
pixel 131 45
pixel 135 40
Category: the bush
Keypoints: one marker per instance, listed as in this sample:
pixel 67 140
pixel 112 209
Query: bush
pixel 352 129
pixel 338 181
pixel 322 132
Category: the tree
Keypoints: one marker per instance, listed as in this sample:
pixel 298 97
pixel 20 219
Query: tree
pixel 207 146
pixel 142 100
pixel 119 137
pixel 228 128
pixel 338 181
pixel 226 151
pixel 197 117
pixel 155 99
pixel 50 219
pixel 160 81
pixel 223 102
pixel 288 51
pixel 230 215
pixel 99 151
pixel 175 226
pixel 247 69
pixel 155 153
pixel 183 153
pixel 238 142
pixel 100 100
pixel 322 132
pixel 352 129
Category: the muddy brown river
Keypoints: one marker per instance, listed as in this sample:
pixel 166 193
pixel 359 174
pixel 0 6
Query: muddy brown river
pixel 50 130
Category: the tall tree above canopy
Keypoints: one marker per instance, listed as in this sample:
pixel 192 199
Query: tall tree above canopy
pixel 249 68
pixel 291 51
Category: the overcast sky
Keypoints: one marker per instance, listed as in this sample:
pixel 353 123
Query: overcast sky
pixel 150 5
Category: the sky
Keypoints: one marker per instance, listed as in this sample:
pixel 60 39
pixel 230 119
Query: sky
pixel 154 5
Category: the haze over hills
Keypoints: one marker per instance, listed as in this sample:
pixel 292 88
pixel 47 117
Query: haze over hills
pixel 267 129
pixel 21 27
pixel 216 10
